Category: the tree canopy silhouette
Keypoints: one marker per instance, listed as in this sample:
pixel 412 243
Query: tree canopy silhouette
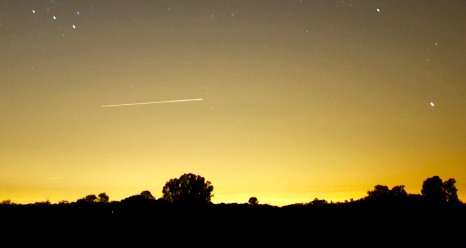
pixel 382 194
pixel 398 191
pixel 450 190
pixel 146 194
pixel 103 198
pixel 380 191
pixel 189 189
pixel 253 201
pixel 438 192
pixel 145 197
pixel 88 199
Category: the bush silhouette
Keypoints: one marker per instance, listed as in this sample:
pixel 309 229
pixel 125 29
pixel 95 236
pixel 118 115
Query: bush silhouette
pixel 253 201
pixel 189 189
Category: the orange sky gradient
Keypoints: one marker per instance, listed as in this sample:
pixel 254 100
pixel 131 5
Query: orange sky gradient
pixel 301 99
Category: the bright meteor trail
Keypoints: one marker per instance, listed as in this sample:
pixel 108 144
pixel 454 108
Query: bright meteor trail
pixel 146 103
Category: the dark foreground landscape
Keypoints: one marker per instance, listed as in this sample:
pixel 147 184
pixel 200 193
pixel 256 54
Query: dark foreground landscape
pixel 349 223
pixel 385 218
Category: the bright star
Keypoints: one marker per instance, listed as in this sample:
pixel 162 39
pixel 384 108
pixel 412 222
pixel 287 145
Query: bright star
pixel 432 104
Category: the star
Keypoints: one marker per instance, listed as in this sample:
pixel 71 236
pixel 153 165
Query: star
pixel 33 11
pixel 54 17
pixel 378 10
pixel 74 27
pixel 432 104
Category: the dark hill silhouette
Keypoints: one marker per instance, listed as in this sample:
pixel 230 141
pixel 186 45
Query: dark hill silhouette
pixel 386 217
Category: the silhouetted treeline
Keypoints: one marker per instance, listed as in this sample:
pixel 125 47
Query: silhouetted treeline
pixel 386 216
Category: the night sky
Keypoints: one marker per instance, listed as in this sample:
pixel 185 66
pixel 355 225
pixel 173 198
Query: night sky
pixel 300 99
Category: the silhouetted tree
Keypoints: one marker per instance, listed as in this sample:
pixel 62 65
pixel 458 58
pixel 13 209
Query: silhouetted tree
pixel 103 198
pixel 318 202
pixel 380 191
pixel 432 189
pixel 144 198
pixel 146 194
pixel 189 189
pixel 88 199
pixel 6 202
pixel 450 191
pixel 383 194
pixel 42 203
pixel 398 191
pixel 253 201
pixel 436 191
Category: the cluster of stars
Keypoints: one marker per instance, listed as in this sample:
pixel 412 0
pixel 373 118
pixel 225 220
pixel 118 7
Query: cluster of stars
pixel 431 104
pixel 214 16
pixel 54 17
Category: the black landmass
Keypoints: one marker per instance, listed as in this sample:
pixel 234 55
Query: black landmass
pixel 352 223
pixel 385 218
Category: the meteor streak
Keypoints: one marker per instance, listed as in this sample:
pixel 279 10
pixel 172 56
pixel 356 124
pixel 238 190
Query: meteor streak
pixel 146 103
